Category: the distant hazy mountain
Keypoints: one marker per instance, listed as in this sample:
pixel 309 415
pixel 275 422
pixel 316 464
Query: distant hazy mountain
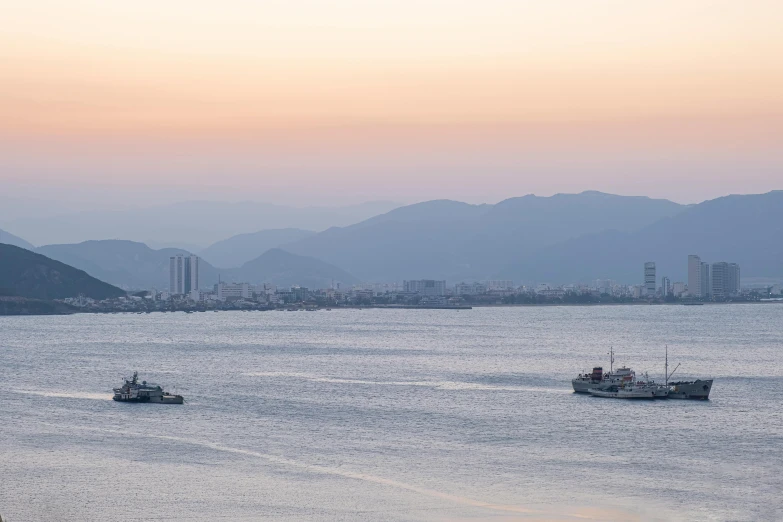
pixel 437 210
pixel 27 274
pixel 127 264
pixel 451 240
pixel 560 239
pixel 239 249
pixel 10 239
pixel 132 265
pixel 284 269
pixel 177 245
pixel 744 229
pixel 192 222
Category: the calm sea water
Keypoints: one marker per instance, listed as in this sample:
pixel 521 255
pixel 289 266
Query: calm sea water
pixel 390 415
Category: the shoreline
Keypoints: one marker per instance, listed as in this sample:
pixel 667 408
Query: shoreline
pixel 62 312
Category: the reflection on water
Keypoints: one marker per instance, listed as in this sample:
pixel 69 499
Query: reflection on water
pixel 444 385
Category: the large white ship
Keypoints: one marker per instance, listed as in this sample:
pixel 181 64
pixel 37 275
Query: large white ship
pixel 625 379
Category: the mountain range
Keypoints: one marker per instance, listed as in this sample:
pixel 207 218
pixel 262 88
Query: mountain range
pixel 559 239
pixel 452 240
pixel 745 229
pixel 189 223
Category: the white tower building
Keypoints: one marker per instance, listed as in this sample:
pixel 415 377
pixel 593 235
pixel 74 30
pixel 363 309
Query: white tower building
pixel 694 275
pixel 183 274
pixel 649 278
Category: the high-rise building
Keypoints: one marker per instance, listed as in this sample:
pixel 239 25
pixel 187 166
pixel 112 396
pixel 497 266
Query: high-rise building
pixel 183 274
pixel 649 278
pixel 734 278
pixel 224 291
pixel 694 276
pixel 497 284
pixel 666 286
pixel 425 287
pixel 706 288
pixel 193 269
pixel 678 288
pixel 470 288
pixel 176 275
pixel 720 280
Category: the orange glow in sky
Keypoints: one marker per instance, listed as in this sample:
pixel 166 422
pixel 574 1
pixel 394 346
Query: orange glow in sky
pixel 440 90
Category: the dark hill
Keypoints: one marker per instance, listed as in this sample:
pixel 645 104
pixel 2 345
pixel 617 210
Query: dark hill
pixel 26 274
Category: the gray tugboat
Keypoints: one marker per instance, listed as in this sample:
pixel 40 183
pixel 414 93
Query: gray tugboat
pixel 694 390
pixel 133 391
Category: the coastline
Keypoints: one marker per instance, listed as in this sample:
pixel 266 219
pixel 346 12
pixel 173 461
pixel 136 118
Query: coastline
pixel 36 307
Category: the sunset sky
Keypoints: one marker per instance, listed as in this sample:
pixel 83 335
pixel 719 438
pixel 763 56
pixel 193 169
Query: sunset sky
pixel 320 102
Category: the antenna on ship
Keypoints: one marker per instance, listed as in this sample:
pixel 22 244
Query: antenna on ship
pixel 666 366
pixel 611 359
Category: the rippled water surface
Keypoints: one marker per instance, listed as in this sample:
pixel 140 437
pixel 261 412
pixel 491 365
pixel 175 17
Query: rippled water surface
pixel 390 415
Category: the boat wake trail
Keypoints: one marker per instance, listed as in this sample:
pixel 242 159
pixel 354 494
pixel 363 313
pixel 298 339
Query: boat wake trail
pixel 441 385
pixel 66 395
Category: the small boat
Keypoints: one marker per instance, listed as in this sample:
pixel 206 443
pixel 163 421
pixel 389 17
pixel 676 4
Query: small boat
pixel 133 391
pixel 616 392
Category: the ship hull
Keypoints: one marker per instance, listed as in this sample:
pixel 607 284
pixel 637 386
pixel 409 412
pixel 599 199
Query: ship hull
pixel 584 386
pixel 696 390
pixel 622 395
pixel 135 399
pixel 159 399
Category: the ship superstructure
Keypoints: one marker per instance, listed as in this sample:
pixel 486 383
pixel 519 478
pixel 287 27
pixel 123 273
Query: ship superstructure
pixel 134 391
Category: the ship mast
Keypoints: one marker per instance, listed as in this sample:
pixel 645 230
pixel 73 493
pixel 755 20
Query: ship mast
pixel 611 359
